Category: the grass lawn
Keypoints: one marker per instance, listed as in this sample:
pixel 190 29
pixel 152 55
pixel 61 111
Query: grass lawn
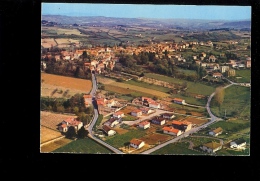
pixel 230 152
pixel 121 140
pixel 245 74
pixel 176 149
pixel 83 146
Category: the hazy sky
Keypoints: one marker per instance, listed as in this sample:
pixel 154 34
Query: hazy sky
pixel 148 11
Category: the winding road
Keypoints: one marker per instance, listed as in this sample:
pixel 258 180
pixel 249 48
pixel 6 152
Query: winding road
pixel 213 119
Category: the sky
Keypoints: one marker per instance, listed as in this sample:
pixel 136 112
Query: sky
pixel 207 12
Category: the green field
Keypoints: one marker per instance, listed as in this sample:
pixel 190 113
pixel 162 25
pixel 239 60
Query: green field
pixel 121 140
pixel 237 102
pixel 193 87
pixel 231 127
pixel 176 149
pixel 148 86
pixel 83 146
pixel 245 74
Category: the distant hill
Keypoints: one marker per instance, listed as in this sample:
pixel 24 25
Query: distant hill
pixel 157 23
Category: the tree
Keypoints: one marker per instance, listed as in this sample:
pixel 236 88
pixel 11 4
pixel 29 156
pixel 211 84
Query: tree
pixel 71 133
pixel 219 95
pixel 82 133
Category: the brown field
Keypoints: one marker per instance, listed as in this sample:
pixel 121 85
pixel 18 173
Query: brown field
pixel 128 109
pixel 48 134
pixel 120 130
pixel 116 89
pixel 82 85
pixel 55 145
pixel 62 41
pixel 51 120
pixel 47 89
pixel 155 138
pixel 196 121
pixel 197 114
pixel 48 42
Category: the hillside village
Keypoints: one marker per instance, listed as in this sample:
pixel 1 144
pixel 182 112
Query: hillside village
pixel 104 59
pixel 162 118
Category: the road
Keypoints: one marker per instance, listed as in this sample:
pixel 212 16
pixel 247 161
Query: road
pixel 213 119
pixel 95 117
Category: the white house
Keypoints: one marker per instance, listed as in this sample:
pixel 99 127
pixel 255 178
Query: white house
pixel 65 124
pixel 118 114
pixel 154 105
pixel 172 131
pixel 136 143
pixel 108 131
pixel 158 120
pixel 178 101
pixel 144 124
pixel 146 110
pixel 211 147
pixel 168 115
pixel 112 122
pixel 238 143
pixel 216 131
pixel 136 113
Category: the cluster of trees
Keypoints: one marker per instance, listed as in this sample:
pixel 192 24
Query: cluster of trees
pixel 72 133
pixel 75 105
pixel 68 69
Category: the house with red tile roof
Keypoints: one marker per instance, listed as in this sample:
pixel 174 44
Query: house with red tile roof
pixel 65 124
pixel 136 113
pixel 182 125
pixel 217 75
pixel 172 131
pixel 179 101
pixel 144 124
pixel 108 130
pixel 112 122
pixel 118 114
pixel 136 143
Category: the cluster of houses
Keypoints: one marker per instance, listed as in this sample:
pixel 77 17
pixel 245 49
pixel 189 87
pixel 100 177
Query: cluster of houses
pixel 213 146
pixel 105 57
pixel 65 124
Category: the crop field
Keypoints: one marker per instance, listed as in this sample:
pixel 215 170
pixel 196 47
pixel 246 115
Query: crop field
pixel 197 121
pixel 48 42
pixel 180 148
pixel 51 120
pixel 62 31
pixel 155 138
pixel 193 87
pixel 75 84
pixel 140 89
pixel 55 145
pixel 48 134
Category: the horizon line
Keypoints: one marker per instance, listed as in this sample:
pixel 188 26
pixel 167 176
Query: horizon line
pixel 248 19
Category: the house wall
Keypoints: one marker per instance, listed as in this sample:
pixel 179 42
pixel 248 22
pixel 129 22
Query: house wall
pixel 209 150
pixel 141 145
pixel 168 132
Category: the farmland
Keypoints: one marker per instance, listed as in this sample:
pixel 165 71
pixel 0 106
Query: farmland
pixel 138 60
pixel 51 82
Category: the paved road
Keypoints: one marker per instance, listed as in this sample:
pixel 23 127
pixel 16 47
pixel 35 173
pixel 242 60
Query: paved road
pixel 95 117
pixel 213 119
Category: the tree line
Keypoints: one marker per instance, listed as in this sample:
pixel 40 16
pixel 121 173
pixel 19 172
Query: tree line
pixel 74 105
